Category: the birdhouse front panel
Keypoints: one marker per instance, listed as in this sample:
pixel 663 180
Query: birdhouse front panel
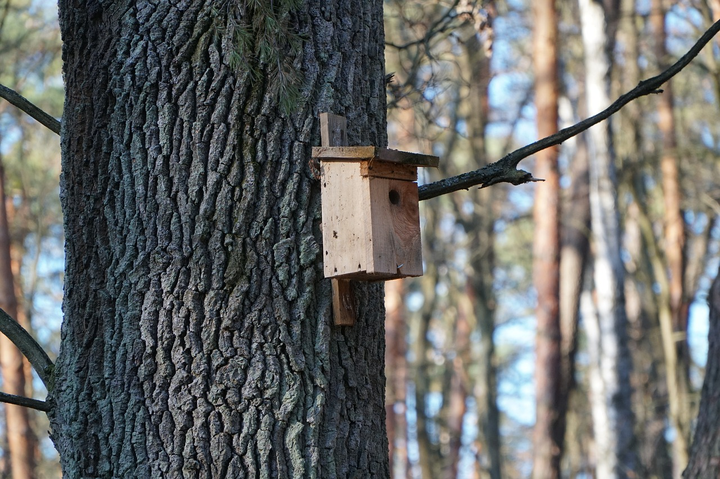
pixel 394 247
pixel 345 198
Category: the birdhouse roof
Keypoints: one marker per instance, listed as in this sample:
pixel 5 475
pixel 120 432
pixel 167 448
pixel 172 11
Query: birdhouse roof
pixel 364 153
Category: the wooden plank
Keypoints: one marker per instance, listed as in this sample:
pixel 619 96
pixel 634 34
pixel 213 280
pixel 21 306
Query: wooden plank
pixel 344 201
pixel 359 153
pixel 394 246
pixel 407 158
pixel 333 132
pixel 343 153
pixel 383 169
pixel 343 294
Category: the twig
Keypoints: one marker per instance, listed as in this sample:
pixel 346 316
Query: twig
pixel 29 347
pixel 25 105
pixel 505 170
pixel 25 402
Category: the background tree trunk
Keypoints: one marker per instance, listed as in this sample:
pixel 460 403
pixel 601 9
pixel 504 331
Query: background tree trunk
pixel 197 339
pixel 481 229
pixel 674 321
pixel 551 405
pixel 19 430
pixel 607 340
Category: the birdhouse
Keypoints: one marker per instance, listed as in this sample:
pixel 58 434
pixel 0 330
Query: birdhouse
pixel 370 211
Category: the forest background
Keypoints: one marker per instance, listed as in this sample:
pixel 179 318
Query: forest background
pixel 473 387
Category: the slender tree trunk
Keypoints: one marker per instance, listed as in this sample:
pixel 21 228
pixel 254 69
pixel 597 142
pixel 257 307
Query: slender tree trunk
pixel 458 389
pixel 674 320
pixel 549 430
pixel 482 261
pixel 704 463
pixel 611 397
pixel 396 374
pixel 197 339
pixel 19 429
pixel 573 259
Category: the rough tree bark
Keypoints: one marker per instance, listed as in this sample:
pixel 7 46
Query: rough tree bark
pixel 197 339
pixel 705 452
pixel 549 430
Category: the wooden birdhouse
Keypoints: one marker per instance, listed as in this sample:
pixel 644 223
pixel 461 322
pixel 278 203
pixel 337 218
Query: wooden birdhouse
pixel 370 216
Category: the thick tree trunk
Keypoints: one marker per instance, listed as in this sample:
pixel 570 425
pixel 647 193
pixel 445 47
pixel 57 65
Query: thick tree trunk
pixel 549 430
pixel 197 339
pixel 19 430
pixel 610 363
pixel 704 463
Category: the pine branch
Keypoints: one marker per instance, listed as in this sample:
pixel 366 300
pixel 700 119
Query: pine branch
pixel 505 170
pixel 29 347
pixel 25 402
pixel 25 105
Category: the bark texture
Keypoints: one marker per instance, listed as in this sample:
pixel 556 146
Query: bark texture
pixel 549 430
pixel 705 452
pixel 197 339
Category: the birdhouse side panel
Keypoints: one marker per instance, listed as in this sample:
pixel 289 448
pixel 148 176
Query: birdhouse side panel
pixel 345 234
pixel 394 246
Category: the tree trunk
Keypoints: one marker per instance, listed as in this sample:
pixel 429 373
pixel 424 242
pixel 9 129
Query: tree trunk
pixel 481 231
pixel 705 453
pixel 396 374
pixel 611 397
pixel 677 355
pixel 19 430
pixel 549 430
pixel 197 339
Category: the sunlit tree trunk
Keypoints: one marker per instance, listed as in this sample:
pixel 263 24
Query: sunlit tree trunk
pixel 610 378
pixel 482 261
pixel 549 430
pixel 197 339
pixel 674 320
pixel 573 259
pixel 19 429
pixel 396 374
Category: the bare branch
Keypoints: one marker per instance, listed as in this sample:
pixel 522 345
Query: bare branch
pixel 25 402
pixel 25 105
pixel 505 170
pixel 29 347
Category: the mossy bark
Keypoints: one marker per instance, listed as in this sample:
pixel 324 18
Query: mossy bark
pixel 197 339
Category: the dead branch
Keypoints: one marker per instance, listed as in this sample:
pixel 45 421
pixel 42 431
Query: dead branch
pixel 505 170
pixel 25 402
pixel 28 107
pixel 29 347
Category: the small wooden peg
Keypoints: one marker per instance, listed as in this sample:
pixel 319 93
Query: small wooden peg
pixel 343 302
